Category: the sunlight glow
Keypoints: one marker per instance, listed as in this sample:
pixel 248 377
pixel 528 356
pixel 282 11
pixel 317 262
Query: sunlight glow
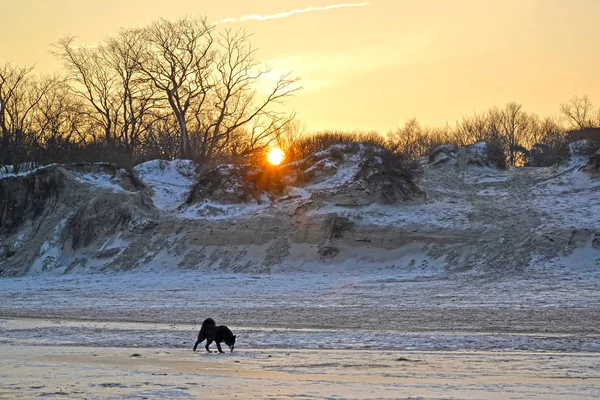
pixel 275 156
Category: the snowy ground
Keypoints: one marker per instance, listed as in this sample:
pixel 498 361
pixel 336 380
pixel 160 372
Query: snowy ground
pixel 381 334
pixel 377 300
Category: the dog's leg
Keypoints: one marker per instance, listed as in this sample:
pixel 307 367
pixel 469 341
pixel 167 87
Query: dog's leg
pixel 219 347
pixel 208 342
pixel 201 337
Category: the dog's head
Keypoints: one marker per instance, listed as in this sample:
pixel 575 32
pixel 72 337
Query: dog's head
pixel 230 342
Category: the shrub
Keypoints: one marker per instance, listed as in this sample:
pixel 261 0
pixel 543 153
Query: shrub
pixel 496 154
pixel 338 225
pixel 310 144
pixel 328 251
pixel 391 173
pixel 238 183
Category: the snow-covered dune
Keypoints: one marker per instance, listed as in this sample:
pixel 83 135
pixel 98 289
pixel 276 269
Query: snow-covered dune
pixel 341 209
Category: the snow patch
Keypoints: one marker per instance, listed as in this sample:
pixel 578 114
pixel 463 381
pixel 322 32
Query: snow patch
pixel 170 181
pixel 580 151
pixel 344 175
pixel 6 171
pixel 212 210
pixel 98 179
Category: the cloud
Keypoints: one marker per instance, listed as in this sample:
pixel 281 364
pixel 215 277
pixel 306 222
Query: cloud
pixel 258 17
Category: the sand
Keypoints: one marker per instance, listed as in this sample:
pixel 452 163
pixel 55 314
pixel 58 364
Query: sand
pixel 138 373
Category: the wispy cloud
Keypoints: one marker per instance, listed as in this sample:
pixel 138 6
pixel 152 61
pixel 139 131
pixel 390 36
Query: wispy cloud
pixel 258 17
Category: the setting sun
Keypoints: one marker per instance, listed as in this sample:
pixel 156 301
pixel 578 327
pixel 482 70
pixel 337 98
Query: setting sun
pixel 275 156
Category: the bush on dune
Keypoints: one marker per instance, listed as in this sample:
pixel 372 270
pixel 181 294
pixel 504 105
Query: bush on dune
pixel 229 184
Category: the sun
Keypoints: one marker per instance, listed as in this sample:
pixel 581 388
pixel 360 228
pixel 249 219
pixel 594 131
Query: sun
pixel 275 156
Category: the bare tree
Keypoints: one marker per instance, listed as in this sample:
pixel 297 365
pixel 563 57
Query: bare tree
pixel 416 141
pixel 516 128
pixel 161 137
pixel 290 135
pixel 12 79
pixel 480 127
pixel 177 60
pixel 110 79
pixel 94 81
pixel 438 135
pixel 405 139
pixel 579 112
pixel 61 125
pixel 26 98
pixel 510 128
pixel 20 93
pixel 124 53
pixel 547 131
pixel 236 106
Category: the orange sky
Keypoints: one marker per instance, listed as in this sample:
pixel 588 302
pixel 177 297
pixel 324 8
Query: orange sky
pixel 367 67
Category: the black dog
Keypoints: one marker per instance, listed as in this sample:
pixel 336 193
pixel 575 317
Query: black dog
pixel 213 333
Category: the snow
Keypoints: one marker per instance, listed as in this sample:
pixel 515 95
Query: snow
pixel 570 199
pixel 479 148
pixel 101 180
pixel 299 192
pixel 215 211
pixel 428 215
pixel 171 181
pixel 98 179
pixel 580 148
pixel 50 252
pixel 344 303
pixel 345 173
pixel 19 241
pixel 26 170
pixel 323 165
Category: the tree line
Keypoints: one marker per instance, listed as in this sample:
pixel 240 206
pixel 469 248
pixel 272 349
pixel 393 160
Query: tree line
pixel 183 89
pixel 523 138
pixel 173 89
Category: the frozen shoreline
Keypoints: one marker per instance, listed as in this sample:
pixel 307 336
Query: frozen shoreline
pixel 69 333
pixel 379 310
pixel 385 333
